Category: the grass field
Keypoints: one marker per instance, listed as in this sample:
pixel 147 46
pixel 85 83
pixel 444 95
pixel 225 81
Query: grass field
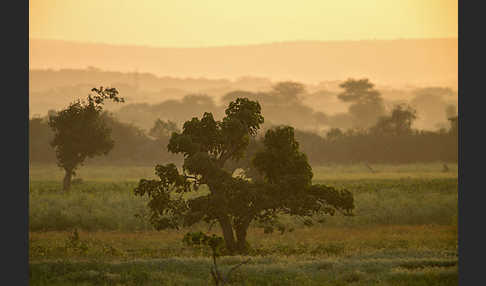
pixel 329 172
pixel 404 233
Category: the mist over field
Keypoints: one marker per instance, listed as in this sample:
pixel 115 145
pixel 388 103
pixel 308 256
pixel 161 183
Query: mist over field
pixel 390 62
pixel 171 83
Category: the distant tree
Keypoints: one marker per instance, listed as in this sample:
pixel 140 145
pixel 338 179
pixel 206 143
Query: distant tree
pixel 435 90
pixel 163 129
pixel 233 95
pixel 334 134
pixel 234 202
pixel 366 103
pixel 398 123
pixel 433 105
pixel 454 121
pixel 358 90
pixel 289 90
pixel 80 132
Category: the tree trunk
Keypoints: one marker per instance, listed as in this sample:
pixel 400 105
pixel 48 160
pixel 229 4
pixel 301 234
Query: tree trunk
pixel 241 231
pixel 66 184
pixel 229 238
pixel 241 240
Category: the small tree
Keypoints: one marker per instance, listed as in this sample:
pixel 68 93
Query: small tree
pixel 334 134
pixel 215 243
pixel 234 202
pixel 163 129
pixel 80 132
pixel 399 122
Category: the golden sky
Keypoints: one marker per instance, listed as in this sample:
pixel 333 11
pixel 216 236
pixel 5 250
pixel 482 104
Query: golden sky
pixel 184 23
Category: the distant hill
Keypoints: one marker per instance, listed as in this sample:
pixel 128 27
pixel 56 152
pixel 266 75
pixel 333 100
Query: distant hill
pixel 403 62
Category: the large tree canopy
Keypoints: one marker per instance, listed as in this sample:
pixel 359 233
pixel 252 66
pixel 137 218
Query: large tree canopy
pixel 209 145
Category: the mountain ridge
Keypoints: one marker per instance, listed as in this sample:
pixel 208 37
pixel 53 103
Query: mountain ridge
pixel 404 61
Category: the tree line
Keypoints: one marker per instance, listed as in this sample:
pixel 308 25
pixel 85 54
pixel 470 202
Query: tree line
pixel 378 136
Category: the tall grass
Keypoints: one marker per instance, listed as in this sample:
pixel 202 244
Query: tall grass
pixel 404 232
pixel 90 172
pixel 97 205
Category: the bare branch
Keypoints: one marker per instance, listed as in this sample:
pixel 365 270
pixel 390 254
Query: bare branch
pixel 234 268
pixel 190 177
pixel 211 225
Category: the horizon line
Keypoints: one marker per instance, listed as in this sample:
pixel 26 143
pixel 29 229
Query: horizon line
pixel 237 45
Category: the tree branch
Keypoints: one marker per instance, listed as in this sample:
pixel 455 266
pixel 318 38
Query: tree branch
pixel 234 268
pixel 211 225
pixel 191 177
pixel 225 155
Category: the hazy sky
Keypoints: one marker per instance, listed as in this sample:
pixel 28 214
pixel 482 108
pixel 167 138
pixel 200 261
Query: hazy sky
pixel 184 23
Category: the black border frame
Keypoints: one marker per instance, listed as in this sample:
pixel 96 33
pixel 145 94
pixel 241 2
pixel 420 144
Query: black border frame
pixel 471 237
pixel 15 113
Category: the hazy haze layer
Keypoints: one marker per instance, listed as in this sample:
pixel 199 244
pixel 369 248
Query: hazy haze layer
pixel 394 62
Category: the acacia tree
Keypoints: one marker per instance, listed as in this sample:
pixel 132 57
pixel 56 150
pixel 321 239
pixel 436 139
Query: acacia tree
pixel 234 201
pixel 366 102
pixel 80 131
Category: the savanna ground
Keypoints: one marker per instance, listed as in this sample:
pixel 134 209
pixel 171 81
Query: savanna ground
pixel 404 232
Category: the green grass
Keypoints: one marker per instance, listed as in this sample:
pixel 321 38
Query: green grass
pixel 92 173
pixel 378 255
pixel 98 205
pixel 282 271
pixel 329 172
pixel 404 232
pixel 312 242
pixel 384 171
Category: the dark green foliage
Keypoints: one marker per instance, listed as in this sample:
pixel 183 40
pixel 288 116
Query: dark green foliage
pixel 282 187
pixel 280 161
pixel 289 176
pixel 80 131
pixel 385 142
pixel 216 243
pixel 133 146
